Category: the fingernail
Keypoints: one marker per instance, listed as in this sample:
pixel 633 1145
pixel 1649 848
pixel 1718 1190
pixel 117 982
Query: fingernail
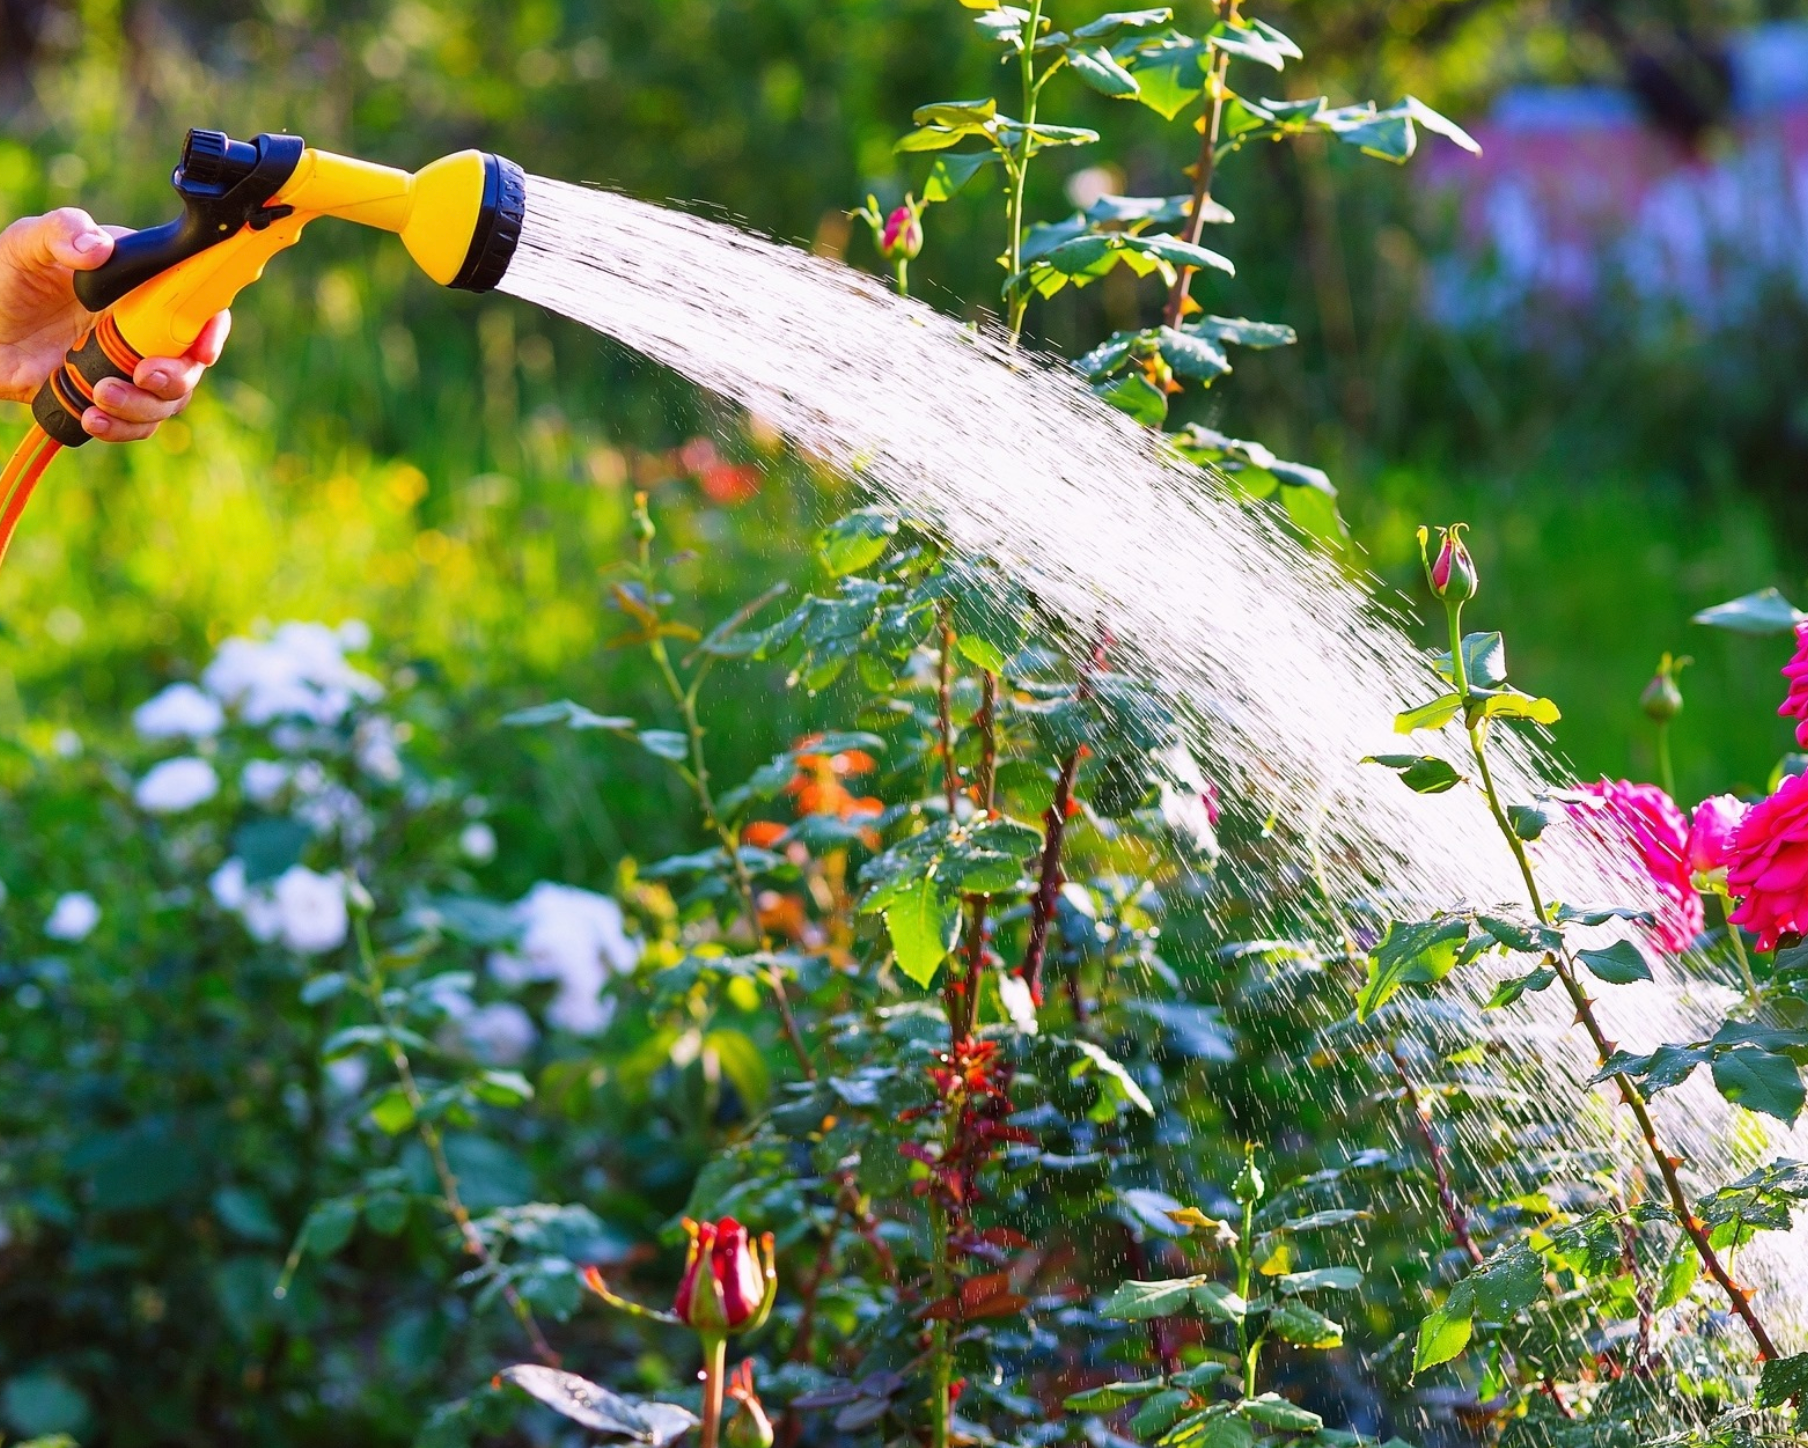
pixel 90 241
pixel 156 378
pixel 98 423
pixel 108 389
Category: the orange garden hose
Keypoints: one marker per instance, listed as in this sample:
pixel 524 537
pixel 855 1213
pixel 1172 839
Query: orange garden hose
pixel 20 476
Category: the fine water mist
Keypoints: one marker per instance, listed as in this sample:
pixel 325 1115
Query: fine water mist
pixel 1290 670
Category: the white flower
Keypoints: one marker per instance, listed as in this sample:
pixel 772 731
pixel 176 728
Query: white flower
pixel 375 750
pixel 354 634
pixel 263 779
pixel 348 1075
pixel 299 671
pixel 1014 991
pixel 477 843
pixel 73 918
pixel 66 744
pixel 304 910
pixel 1183 802
pixel 180 712
pixel 500 1033
pixel 574 937
pixel 311 910
pixel 176 785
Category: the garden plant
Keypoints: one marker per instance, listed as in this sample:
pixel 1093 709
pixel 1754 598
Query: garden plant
pixel 941 1089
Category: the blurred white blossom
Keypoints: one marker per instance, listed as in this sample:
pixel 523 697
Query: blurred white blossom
pixel 73 917
pixel 176 785
pixel 66 744
pixel 1186 803
pixel 263 779
pixel 301 908
pixel 577 938
pixel 1014 991
pixel 375 749
pixel 299 671
pixel 477 843
pixel 500 1033
pixel 180 712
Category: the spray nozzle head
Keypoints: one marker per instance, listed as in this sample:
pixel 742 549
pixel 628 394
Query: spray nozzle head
pixel 213 161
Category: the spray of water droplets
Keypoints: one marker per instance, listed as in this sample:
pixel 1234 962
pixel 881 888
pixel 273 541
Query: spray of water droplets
pixel 1292 670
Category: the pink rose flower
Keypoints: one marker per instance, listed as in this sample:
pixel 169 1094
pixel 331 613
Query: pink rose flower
pixel 1711 834
pixel 1795 706
pixel 1767 868
pixel 1644 818
pixel 903 234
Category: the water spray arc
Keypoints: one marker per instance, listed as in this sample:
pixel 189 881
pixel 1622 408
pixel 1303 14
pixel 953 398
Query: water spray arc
pixel 242 202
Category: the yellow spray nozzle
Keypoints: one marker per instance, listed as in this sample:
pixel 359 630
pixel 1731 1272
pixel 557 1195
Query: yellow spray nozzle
pixel 243 202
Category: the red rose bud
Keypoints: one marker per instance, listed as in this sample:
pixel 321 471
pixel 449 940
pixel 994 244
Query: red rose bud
pixel 729 1280
pixel 902 237
pixel 1452 573
pixel 1662 699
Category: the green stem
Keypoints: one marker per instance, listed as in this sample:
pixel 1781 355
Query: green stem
pixel 1564 964
pixel 941 1368
pixel 436 1149
pixel 1020 295
pixel 903 271
pixel 698 775
pixel 1666 772
pixel 1248 1348
pixel 1738 938
pixel 715 1379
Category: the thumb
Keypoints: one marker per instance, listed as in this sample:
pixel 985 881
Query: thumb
pixel 66 237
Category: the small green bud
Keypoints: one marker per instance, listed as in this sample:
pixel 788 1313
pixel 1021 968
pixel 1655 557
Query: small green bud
pixel 1662 699
pixel 1249 1186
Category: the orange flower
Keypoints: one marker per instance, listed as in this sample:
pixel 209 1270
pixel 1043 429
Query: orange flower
pixel 762 834
pixel 817 787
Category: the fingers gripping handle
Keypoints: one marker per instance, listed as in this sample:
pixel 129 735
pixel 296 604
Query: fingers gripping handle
pixel 61 401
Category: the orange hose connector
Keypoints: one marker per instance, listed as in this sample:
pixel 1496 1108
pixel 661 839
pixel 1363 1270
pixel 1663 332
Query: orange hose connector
pixel 19 477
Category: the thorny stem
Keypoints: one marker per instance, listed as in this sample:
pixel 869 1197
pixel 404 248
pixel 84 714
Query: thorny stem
pixel 1202 178
pixel 1455 1217
pixel 436 1150
pixel 698 775
pixel 944 709
pixel 941 1402
pixel 1564 964
pixel 1048 880
pixel 987 720
pixel 1739 954
pixel 1641 1289
pixel 1020 297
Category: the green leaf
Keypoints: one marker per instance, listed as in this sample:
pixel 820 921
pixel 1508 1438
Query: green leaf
pixel 323 987
pixel 329 1226
pixel 1202 1375
pixel 969 115
pixel 1299 1324
pixel 1244 333
pixel 950 173
pixel 1508 1284
pixel 1123 1085
pixel 1618 964
pixel 1139 397
pixel 1247 43
pixel 1529 821
pixel 1681 1267
pixel 573 716
pixel 1118 20
pixel 600 1410
pixel 1760 613
pixel 850 543
pixel 1218 1302
pixel 1484 660
pixel 1320 1279
pixel 1421 953
pixel 1170 73
pixel 1421 773
pixel 666 743
pixel 1096 67
pixel 1783 1380
pixel 1138 1301
pixel 502 1088
pixel 1511 704
pixel 1276 1412
pixel 393 1112
pixel 1445 1333
pixel 1760 1081
pixel 1160 1412
pixel 923 927
pixel 1509 991
pixel 1112 1396
pixel 1181 252
pixel 1435 715
pixel 1435 122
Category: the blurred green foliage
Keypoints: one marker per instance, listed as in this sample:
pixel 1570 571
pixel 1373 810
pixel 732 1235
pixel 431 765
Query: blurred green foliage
pixel 457 472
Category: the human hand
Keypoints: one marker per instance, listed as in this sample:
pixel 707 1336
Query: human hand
pixel 41 319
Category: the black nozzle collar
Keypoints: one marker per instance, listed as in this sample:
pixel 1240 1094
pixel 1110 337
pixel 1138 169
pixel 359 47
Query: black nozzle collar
pixel 498 230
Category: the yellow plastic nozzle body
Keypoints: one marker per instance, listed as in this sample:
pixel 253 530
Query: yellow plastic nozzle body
pixel 434 210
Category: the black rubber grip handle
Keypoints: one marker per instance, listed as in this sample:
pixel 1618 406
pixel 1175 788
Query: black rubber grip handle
pixel 214 210
pixel 69 392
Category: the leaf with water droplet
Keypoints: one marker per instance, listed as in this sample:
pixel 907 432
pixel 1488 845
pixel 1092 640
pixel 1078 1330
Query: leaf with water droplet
pixel 1618 964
